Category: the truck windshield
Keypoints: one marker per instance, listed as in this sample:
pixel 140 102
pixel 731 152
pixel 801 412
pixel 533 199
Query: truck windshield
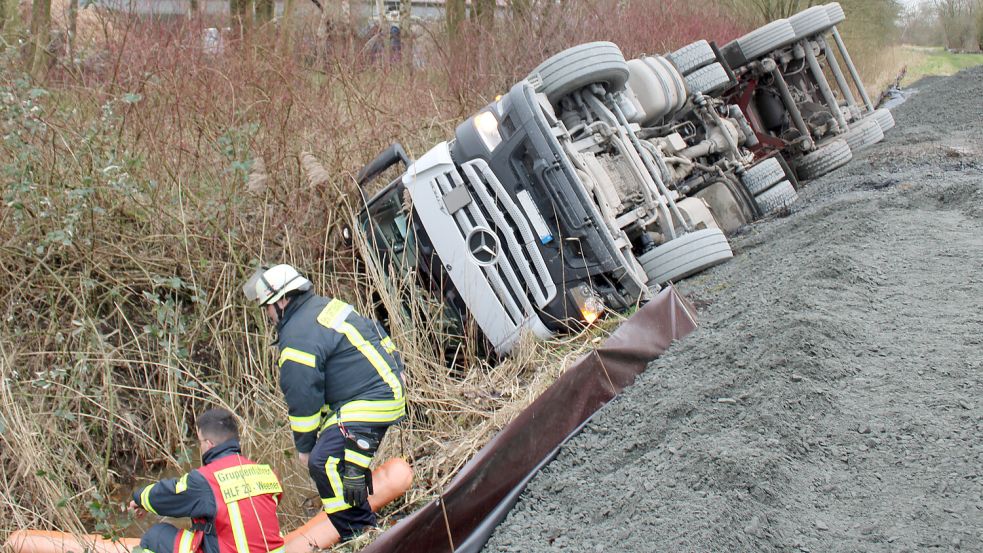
pixel 386 224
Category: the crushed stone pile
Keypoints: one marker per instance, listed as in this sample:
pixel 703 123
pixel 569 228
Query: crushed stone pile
pixel 832 398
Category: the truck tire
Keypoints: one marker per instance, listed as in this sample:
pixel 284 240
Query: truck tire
pixel 884 117
pixel 835 13
pixel 863 133
pixel 762 40
pixel 828 157
pixel 760 176
pixel 693 56
pixel 580 66
pixel 708 79
pixel 810 22
pixel 776 198
pixel 686 255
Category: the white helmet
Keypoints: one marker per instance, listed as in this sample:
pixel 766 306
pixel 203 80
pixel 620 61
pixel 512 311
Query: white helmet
pixel 269 284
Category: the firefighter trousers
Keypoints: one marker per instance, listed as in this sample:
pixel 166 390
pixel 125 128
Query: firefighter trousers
pixel 325 467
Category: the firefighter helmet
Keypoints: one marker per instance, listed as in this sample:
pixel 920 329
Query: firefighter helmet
pixel 269 284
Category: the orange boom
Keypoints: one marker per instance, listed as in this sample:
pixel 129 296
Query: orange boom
pixel 390 481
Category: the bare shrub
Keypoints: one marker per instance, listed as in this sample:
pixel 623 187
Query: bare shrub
pixel 141 186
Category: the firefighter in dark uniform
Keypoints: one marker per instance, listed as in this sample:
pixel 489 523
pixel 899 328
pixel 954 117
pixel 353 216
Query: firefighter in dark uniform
pixel 342 381
pixel 231 500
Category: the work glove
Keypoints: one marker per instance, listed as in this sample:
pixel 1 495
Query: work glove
pixel 355 479
pixel 357 484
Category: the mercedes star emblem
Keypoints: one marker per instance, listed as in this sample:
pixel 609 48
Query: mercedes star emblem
pixel 483 246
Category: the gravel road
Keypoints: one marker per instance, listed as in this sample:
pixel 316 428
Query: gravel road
pixel 832 398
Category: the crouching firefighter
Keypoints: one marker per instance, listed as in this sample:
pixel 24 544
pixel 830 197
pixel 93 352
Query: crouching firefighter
pixel 230 500
pixel 342 381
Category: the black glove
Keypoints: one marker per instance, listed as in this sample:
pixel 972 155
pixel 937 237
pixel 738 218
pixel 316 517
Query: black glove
pixel 357 480
pixel 357 484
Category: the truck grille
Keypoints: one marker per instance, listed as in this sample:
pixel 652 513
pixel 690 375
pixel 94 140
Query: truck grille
pixel 519 277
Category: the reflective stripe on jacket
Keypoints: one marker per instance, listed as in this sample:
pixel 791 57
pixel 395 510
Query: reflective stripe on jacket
pixel 336 365
pixel 246 496
pixel 194 495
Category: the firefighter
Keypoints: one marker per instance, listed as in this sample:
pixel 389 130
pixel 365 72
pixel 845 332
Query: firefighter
pixel 342 381
pixel 230 500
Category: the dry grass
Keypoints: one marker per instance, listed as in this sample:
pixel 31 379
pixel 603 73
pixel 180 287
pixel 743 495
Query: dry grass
pixel 142 184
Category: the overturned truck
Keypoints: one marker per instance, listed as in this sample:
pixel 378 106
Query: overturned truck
pixel 591 183
pixel 550 205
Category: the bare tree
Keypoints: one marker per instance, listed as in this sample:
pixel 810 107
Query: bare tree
pixel 979 25
pixel 520 9
pixel 264 11
pixel 406 31
pixel 483 12
pixel 956 19
pixel 73 24
pixel 454 11
pixel 242 14
pixel 769 10
pixel 3 16
pixel 40 38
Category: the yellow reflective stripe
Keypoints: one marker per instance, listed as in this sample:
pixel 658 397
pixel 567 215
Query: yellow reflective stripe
pixel 181 485
pixel 329 422
pixel 305 424
pixel 280 549
pixel 145 499
pixel 388 344
pixel 374 357
pixel 336 503
pixel 357 458
pixel 187 539
pixel 238 530
pixel 334 314
pixel 333 505
pixel 367 410
pixel 293 354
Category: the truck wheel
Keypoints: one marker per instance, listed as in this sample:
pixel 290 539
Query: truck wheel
pixel 884 117
pixel 813 21
pixel 835 13
pixel 762 175
pixel 693 56
pixel 776 198
pixel 686 255
pixel 762 40
pixel 709 79
pixel 865 132
pixel 828 157
pixel 580 66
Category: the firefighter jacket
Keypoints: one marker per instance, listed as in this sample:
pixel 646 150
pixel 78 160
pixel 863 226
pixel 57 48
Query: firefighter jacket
pixel 231 501
pixel 336 366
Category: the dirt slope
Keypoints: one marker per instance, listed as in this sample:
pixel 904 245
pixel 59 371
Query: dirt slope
pixel 832 399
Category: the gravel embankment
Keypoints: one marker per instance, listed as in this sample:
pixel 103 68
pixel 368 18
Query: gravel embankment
pixel 832 398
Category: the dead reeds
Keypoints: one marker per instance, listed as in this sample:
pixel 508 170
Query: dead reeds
pixel 144 182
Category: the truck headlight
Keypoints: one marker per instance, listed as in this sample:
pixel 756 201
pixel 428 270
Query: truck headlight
pixel 487 126
pixel 591 306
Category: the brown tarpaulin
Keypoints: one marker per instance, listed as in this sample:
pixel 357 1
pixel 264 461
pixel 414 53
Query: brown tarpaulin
pixel 476 500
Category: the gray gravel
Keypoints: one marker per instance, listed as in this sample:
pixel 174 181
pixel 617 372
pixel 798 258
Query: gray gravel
pixel 832 398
